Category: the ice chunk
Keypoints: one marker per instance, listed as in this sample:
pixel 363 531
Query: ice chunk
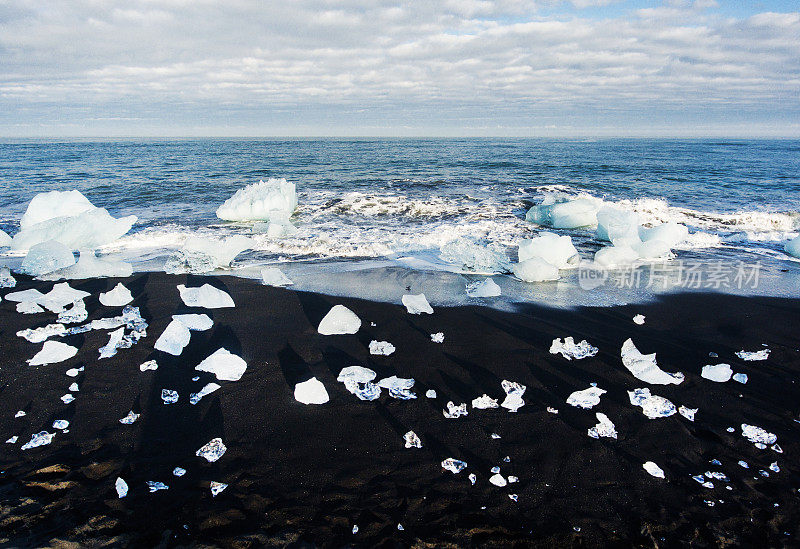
pixel 453 465
pixel 114 342
pixel 223 364
pixel 552 410
pixel 77 313
pixel 615 225
pixel 149 365
pixel 206 296
pixel 20 413
pixel 774 467
pixel 73 372
pixel 485 402
pixel 46 257
pixel 475 255
pixel 688 413
pixel 117 297
pixel 763 354
pixel 216 487
pixel 272 276
pixel 60 424
pixel 483 289
pixel 757 435
pixel 653 469
pixel 454 411
pixel 569 349
pixel 66 399
pixel 498 480
pixel 169 396
pixel 212 451
pixel 53 351
pixel 556 250
pixel 652 250
pixel 26 296
pixel 45 206
pixel 60 296
pixel 6 280
pixel 383 348
pixel 311 392
pixel 430 393
pixel 638 319
pixel 274 200
pixel 671 234
pixel 90 266
pixel 535 270
pixel 178 471
pixel 741 378
pixel 130 418
pixel 339 320
pixel 398 387
pixel 174 338
pixel 201 255
pixel 412 440
pixel 155 486
pixel 417 304
pixel 653 406
pixel 195 322
pixel 587 398
pixel 194 398
pixel 87 230
pixel 39 439
pixel 121 487
pixel 793 247
pixel 514 392
pixel 605 428
pixel 28 308
pixel 562 213
pixel 38 335
pixel 717 475
pixel 5 240
pixel 613 256
pixel 358 380
pixel 438 337
pixel 512 479
pixel 73 388
pixel 717 372
pixel 645 368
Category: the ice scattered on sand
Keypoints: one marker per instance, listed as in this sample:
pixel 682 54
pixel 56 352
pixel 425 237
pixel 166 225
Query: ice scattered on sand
pixel 119 296
pixel 155 486
pixel 605 428
pixel 776 448
pixel 169 396
pixel 639 319
pixel 223 364
pixel 744 464
pixel 60 296
pixel 174 338
pixel 703 482
pixel 194 398
pixel 90 266
pixel 73 372
pixel 212 451
pixel 430 393
pixel 12 440
pixel 21 413
pixel 60 424
pixel 339 321
pixel 52 352
pixel 398 387
pixel 645 368
pixel 552 410
pixel 512 479
pixel 485 402
pixel 569 349
pixel 757 435
pixel 483 289
pixel 587 398
pixel 438 337
pixel 67 398
pixel 653 406
pixel 25 296
pixel 46 257
pixel 114 343
pixel 653 469
pixel 763 354
pixel 383 348
pixel 273 200
pixel 77 313
pixel 498 480
pixel 412 440
pixel 206 296
pixel 38 335
pixel 688 413
pixel 358 381
pixel 39 439
pixel 73 388
pixel 311 391
pixel 454 465
pixel 217 487
pixel 514 392
pixel 121 486
pixel 717 372
pixel 272 276
pixel 6 280
pixel 740 378
pixel 417 304
pixel 149 365
pixel 28 308
pixel 453 411
pixel 130 418
pixel 355 529
pixel 178 471
pixel 717 475
pixel 473 478
pixel 195 322
pixel 774 467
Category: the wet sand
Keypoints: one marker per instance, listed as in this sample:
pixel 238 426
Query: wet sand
pixel 305 475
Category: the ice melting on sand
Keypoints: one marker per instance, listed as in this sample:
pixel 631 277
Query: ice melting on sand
pixel 653 469
pixel 311 391
pixel 115 341
pixel 483 289
pixel 155 486
pixel 740 378
pixel 206 296
pixel 149 365
pixel 380 348
pixel 272 276
pixel 438 337
pixel 195 322
pixel 130 418
pixel 274 200
pixel 615 225
pixel 73 315
pixel 90 266
pixel 763 354
pixel 453 411
pixel 212 451
pixel 216 487
pixel 653 406
pixel 717 372
pixel 67 398
pixel 398 387
pixel 453 465
pixel 174 338
pixel 39 439
pixel 169 396
pixel 514 392
pixel 38 335
pixel 757 435
pixel 119 296
pixel 223 364
pixel 60 424
pixel 587 398
pixel 498 480
pixel 53 351
pixel 412 440
pixel 484 402
pixel 605 428
pixel 194 398
pixel 121 486
pixel 417 304
pixel 551 248
pixel 688 413
pixel 569 349
pixel 339 321
pixel 28 308
pixel 358 381
pixel 46 257
pixel 639 319
pixel 793 247
pixel 644 367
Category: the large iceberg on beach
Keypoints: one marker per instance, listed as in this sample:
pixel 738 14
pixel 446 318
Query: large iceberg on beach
pixel 558 251
pixel 561 212
pixel 274 200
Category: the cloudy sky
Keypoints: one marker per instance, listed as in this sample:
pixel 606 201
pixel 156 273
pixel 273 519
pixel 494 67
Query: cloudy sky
pixel 375 67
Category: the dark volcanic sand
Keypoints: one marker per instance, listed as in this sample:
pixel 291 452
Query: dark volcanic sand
pixel 306 474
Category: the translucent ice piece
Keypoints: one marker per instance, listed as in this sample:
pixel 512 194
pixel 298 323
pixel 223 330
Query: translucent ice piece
pixel 398 387
pixel 46 257
pixel 653 469
pixel 149 365
pixel 212 451
pixel 671 234
pixel 223 364
pixel 201 255
pixel 741 378
pixel 77 313
pixel 38 335
pixel 454 411
pixel 474 254
pixel 381 348
pixel 417 304
pixel 66 399
pixel 339 320
pixel 430 393
pixel 358 381
pixel 453 465
pixel 757 435
pixel 169 396
pixel 644 367
pixel 53 351
pixel 605 427
pixel 586 399
pixel 114 343
pixel 272 276
pixel 206 296
pixel 483 289
pixel 311 391
pixel 178 471
pixel 535 270
pixel 73 388
pixel 90 266
pixel 614 225
pixel 688 413
pixel 121 486
pixel 556 250
pixel 514 392
pixel 273 200
pixel 60 424
pixel 28 308
pixel 194 398
pixel 117 297
pixel 763 354
pixel 25 296
pixel 39 439
pixel 412 440
pixel 561 212
pixel 130 418
pixel 174 338
pixel 195 322
pixel 217 487
pixel 155 486
pixel 569 349
pixel 60 296
pixel 484 402
pixel 652 406
pixel 717 372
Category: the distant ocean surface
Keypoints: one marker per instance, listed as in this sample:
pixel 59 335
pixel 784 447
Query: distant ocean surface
pixel 368 200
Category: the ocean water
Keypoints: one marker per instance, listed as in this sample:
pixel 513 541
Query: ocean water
pixel 373 213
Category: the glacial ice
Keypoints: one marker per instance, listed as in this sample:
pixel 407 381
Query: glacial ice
pixel 119 296
pixel 60 296
pixel 717 372
pixel 535 270
pixel 212 451
pixel 438 337
pixel 381 348
pixel 6 280
pixel 652 250
pixel 206 296
pixel 430 393
pixel 339 320
pixel 223 364
pixel 209 388
pixel 20 413
pixel 514 392
pixel 653 406
pixel 155 486
pixel 605 427
pixel 114 343
pixel 178 471
pixel 615 256
pixel 28 308
pixel 412 440
pixel 475 255
pixel 121 487
pixel 73 372
pixel 216 487
pixel 90 266
pixel 793 247
pixel 615 225
pixel 763 354
pixel 483 288
pixel 398 387
pixel 453 411
pixel 653 469
pixel 73 388
pixel 60 424
pixel 45 206
pixel 169 396
pixel 645 368
pixel 73 315
pixel 741 378
pixel 5 240
pixel 569 349
pixel 671 234
pixel 39 439
pixel 498 480
pixel 453 465
pixel 556 250
pixel 757 435
pixel 638 319
pixel 484 402
pixel 560 212
pixel 311 392
pixel 174 338
pixel 358 381
pixel 417 304
pixel 53 351
pixel 130 418
pixel 46 257
pixel 38 335
pixel 274 200
pixel 473 478
pixel 272 276
pixel 25 296
pixel 201 255
pixel 587 398
pixel 195 322
pixel 149 365
pixel 688 413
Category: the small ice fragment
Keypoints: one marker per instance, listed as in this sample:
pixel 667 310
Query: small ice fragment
pixel 639 319
pixel 117 297
pixel 512 479
pixel 195 322
pixel 53 351
pixel 6 280
pixel 194 398
pixel 730 429
pixel 454 411
pixel 121 487
pixel 514 392
pixel 438 337
pixel 513 497
pixel 212 451
pixel 398 387
pixel 149 365
pixel 73 388
pixel 412 440
pixel 763 473
pixel 400 527
pixel 653 406
pixel 60 424
pixel 763 354
pixel 653 469
pixel 498 480
pixel 206 296
pixel 223 364
pixel 217 487
pixel 174 338
pixel 741 378
pixel 169 396
pixel 28 308
pixel 495 469
pixel 417 304
pixel 495 436
pixel 717 372
pixel 114 342
pixel 179 471
pixel 484 402
pixel 688 413
pixel 355 528
pixel 776 448
pixel 569 349
pixel 39 439
pixel 473 478
pixel 195 378
pixel 430 393
pixel 587 398
pixel 757 435
pixel 552 410
pixel 26 296
pixel 483 288
pixel 155 486
pixel 380 348
pixel 339 321
pixel 130 418
pixel 744 464
pixel 12 440
pixel 605 428
pixel 77 313
pixel 38 335
pixel 454 465
pixel 272 276
pixel 21 413
pixel 358 381
pixel 67 398
pixel 645 368
pixel 507 459
pixel 715 462
pixel 311 391
pixel 73 372
pixel 717 475
pixel 774 467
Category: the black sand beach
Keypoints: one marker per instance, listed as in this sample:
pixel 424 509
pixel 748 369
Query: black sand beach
pixel 305 475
